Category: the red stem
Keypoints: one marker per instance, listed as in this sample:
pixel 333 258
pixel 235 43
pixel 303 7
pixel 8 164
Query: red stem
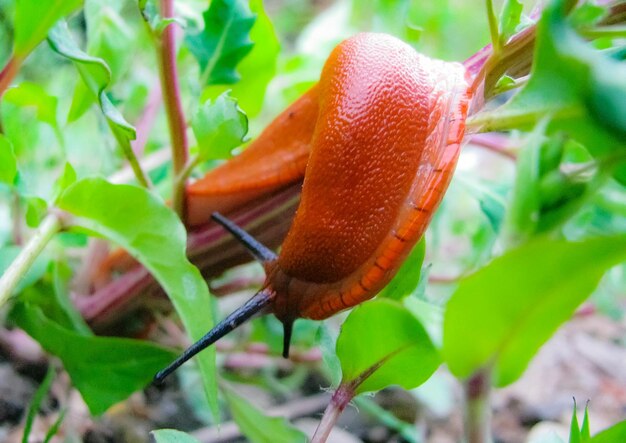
pixel 8 73
pixel 173 106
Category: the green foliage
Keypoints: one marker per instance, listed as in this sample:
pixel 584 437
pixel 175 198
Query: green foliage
pixel 8 254
pixel 8 164
pixel 257 68
pixel 138 221
pixel 611 435
pixel 503 313
pixel 172 436
pixel 510 19
pixel 33 20
pixel 258 427
pixel 407 279
pixel 35 403
pixel 373 358
pixel 219 126
pixel 224 41
pixel 105 370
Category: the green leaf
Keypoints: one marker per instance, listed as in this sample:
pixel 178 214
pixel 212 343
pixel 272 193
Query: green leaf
pixel 143 225
pixel 585 433
pixel 172 436
pixel 223 42
pixel 8 163
pixel 66 314
pixel 327 343
pixel 510 19
pixel 374 358
pixel 574 429
pixel 105 370
pixel 67 178
pixel 258 427
pixel 219 126
pixel 613 434
pixel 96 75
pixel 503 313
pixel 408 277
pixel 257 68
pixel 33 19
pixel 580 89
pixel 108 38
pixel 28 94
pixel 36 210
pixel 33 408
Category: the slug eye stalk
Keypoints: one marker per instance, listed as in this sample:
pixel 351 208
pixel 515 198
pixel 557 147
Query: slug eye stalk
pixel 252 307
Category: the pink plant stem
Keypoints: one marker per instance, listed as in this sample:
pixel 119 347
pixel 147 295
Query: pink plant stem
pixel 340 399
pixel 8 73
pixel 493 142
pixel 173 106
pixel 146 121
pixel 478 408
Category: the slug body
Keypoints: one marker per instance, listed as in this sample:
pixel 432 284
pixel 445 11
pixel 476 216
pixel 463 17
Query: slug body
pixel 385 145
pixel 386 136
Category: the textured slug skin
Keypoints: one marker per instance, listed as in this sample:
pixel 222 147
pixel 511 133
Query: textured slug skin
pixel 385 145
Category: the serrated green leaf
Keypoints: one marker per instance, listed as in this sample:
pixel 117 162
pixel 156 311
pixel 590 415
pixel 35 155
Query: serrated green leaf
pixel 502 314
pixel 219 126
pixel 33 20
pixel 8 163
pixel 408 277
pixel 510 19
pixel 105 370
pixel 143 225
pixel 223 42
pixel 257 68
pixel 258 427
pixel 172 436
pixel 615 433
pixel 406 357
pixel 96 75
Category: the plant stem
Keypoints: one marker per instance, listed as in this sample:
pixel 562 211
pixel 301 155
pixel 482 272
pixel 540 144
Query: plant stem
pixel 478 408
pixel 8 73
pixel 493 27
pixel 9 280
pixel 166 52
pixel 342 396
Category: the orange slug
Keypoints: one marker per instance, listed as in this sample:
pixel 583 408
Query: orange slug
pixel 386 139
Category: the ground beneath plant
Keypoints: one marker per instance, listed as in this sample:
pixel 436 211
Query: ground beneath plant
pixel 585 360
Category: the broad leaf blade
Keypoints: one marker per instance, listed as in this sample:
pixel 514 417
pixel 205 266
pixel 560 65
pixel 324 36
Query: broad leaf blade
pixel 382 334
pixel 105 370
pixel 223 42
pixel 139 222
pixel 33 20
pixel 258 427
pixel 503 313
